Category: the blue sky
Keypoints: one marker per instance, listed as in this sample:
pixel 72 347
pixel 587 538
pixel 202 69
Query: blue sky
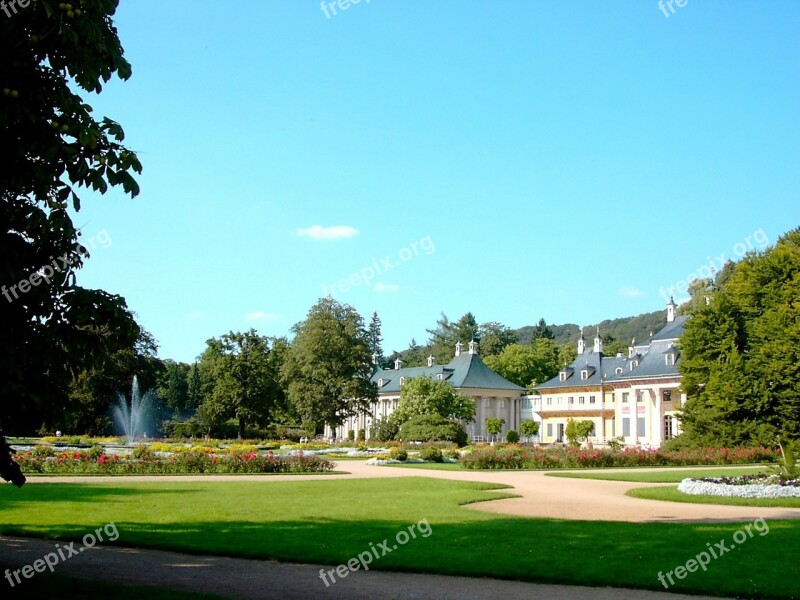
pixel 514 159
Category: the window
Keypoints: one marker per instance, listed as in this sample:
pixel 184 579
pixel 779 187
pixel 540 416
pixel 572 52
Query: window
pixel 626 426
pixel 380 382
pixel 570 400
pixel 639 396
pixel 634 364
pixel 440 377
pixel 668 434
pixel 667 396
pixel 618 370
pixel 402 380
pixel 581 400
pixel 670 359
pixel 549 430
pixel 549 402
pixel 584 374
pixel 640 426
pixel 526 404
pixel 486 403
pixel 562 376
pixel 591 399
pixel 625 397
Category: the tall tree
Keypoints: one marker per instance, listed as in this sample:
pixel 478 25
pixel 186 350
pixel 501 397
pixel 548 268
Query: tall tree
pixel 172 388
pixel 375 338
pixel 52 144
pixel 542 331
pixel 244 381
pixel 446 334
pixel 739 354
pixel 495 337
pixel 527 365
pixel 328 367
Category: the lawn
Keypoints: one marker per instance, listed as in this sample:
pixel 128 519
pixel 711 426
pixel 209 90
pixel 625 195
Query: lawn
pixel 332 521
pixel 671 494
pixel 429 465
pixel 663 475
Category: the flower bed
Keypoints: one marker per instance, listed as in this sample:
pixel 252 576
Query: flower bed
pixel 754 486
pixel 526 457
pixel 144 462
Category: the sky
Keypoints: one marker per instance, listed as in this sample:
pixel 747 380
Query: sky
pixel 517 159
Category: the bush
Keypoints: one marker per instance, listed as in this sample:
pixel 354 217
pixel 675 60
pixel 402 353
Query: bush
pixel 351 435
pixel 452 454
pixel 512 437
pixel 432 453
pixel 362 435
pixel 95 452
pixel 424 428
pixel 184 429
pixel 384 429
pixel 398 453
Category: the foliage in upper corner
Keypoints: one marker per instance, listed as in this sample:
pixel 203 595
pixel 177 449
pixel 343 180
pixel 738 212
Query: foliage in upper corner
pixel 52 145
pixel 739 352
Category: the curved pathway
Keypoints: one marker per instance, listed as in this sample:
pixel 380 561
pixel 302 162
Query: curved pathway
pixel 539 495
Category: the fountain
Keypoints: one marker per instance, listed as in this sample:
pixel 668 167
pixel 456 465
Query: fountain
pixel 131 417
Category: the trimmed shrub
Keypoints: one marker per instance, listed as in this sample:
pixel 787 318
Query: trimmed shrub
pixel 432 453
pixel 398 453
pixel 384 429
pixel 433 428
pixel 512 437
pixel 351 435
pixel 362 435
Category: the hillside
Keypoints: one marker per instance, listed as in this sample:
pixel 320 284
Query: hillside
pixel 622 329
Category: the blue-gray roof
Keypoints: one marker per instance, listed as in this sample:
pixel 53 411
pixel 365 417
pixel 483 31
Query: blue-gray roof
pixel 650 358
pixel 466 371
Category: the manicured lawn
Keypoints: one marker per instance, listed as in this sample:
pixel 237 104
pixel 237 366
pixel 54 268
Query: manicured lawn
pixel 672 494
pixel 58 586
pixel 332 521
pixel 663 475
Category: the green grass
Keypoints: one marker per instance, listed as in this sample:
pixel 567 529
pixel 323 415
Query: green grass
pixel 74 588
pixel 332 521
pixel 671 494
pixel 663 475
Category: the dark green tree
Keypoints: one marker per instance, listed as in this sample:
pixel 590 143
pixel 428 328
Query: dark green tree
pixel 52 145
pixel 542 331
pixel 375 338
pixel 328 367
pixel 739 352
pixel 494 338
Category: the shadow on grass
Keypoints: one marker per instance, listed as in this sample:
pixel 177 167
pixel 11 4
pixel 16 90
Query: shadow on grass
pixel 566 552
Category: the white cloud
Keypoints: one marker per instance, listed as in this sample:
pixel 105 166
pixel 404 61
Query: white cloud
pixel 260 315
pixel 334 232
pixel 630 292
pixel 386 287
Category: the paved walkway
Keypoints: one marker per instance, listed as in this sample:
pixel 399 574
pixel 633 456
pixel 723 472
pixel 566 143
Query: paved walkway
pixel 267 580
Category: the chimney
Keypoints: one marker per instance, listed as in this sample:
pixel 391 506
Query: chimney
pixel 473 347
pixel 630 348
pixel 430 360
pixel 397 364
pixel 458 348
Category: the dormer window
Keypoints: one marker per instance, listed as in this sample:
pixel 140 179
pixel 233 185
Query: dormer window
pixel 634 364
pixel 584 374
pixel 670 359
pixel 440 377
pixel 402 380
pixel 618 371
pixel 380 382
pixel 562 376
